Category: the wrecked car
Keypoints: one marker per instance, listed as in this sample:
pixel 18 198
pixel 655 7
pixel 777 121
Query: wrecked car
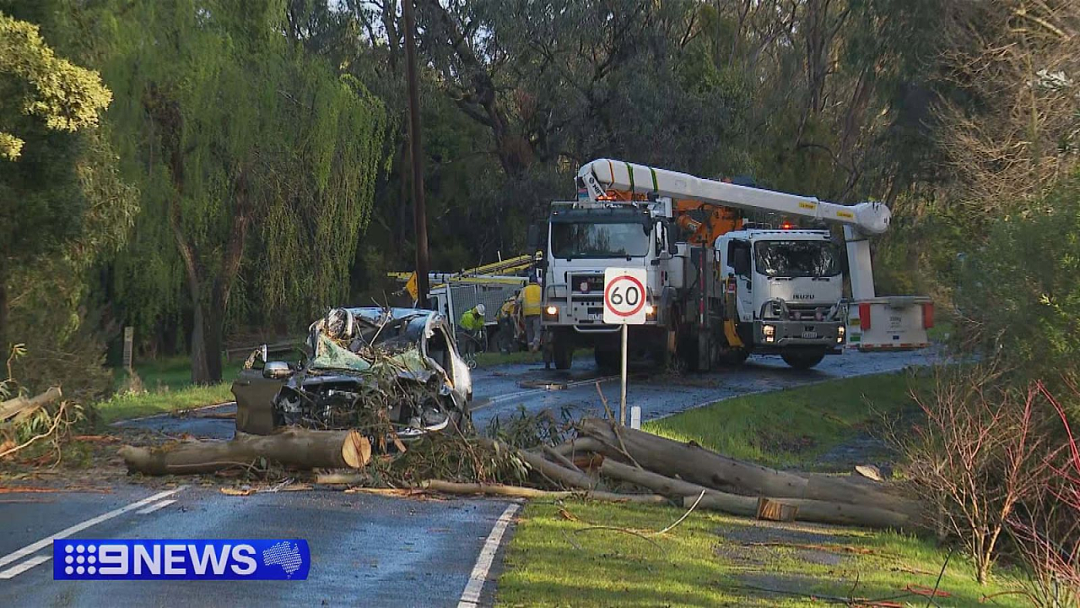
pixel 361 368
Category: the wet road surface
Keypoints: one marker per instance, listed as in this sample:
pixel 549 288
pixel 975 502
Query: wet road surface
pixel 368 550
pixel 365 550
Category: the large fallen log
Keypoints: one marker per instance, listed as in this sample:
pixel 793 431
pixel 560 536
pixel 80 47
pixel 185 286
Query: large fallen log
pixel 22 406
pixel 816 511
pixel 695 464
pixel 294 447
pixel 747 506
pixel 484 489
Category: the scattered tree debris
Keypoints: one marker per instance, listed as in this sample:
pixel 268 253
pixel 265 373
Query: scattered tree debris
pixel 602 462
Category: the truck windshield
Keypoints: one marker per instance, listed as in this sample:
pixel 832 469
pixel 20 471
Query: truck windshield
pixel 797 258
pixel 598 240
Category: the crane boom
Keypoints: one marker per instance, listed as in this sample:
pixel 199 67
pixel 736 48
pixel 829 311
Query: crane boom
pixel 602 175
pixel 859 221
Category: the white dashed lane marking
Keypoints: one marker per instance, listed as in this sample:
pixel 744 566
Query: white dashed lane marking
pixel 18 569
pixel 66 532
pixel 155 507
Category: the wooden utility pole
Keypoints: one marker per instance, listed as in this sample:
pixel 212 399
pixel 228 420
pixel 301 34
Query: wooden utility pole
pixel 416 156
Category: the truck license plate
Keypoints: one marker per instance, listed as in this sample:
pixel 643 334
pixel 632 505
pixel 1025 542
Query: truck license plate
pixel 810 335
pixel 596 317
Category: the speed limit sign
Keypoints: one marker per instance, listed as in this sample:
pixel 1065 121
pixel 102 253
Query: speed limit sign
pixel 624 296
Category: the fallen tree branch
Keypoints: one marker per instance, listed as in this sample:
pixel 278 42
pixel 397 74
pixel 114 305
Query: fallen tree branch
pixel 59 418
pixel 560 459
pixel 485 489
pixel 22 407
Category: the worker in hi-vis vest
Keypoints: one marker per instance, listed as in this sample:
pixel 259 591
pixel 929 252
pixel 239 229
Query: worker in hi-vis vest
pixel 472 320
pixel 530 308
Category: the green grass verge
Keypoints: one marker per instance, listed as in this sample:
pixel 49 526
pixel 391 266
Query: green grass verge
pixel 135 405
pixel 168 388
pixel 715 560
pixel 710 560
pixel 172 373
pixel 491 359
pixel 791 428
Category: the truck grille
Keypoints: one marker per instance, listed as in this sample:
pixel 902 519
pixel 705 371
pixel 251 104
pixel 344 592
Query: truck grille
pixel 808 312
pixel 587 283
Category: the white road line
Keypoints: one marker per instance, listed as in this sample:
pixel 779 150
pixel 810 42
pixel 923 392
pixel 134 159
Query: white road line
pixel 14 571
pixel 155 507
pixel 66 532
pixel 471 596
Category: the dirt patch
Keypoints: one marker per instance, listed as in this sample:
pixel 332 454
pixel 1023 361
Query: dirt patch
pixel 771 443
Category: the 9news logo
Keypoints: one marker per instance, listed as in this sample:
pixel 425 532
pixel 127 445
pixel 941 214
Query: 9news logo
pixel 178 559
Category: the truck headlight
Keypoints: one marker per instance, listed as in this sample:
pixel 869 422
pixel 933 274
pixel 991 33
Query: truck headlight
pixel 769 331
pixel 551 313
pixel 840 331
pixel 650 311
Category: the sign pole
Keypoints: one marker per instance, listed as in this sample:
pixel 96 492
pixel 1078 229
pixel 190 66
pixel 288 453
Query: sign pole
pixel 625 298
pixel 622 396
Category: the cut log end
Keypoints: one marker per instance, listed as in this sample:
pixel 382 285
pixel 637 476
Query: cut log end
pixel 356 450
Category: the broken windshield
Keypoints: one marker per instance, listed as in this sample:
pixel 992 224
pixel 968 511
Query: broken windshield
pixel 598 240
pixel 797 258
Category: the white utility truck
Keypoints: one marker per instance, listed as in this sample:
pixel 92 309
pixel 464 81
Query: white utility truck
pixel 718 288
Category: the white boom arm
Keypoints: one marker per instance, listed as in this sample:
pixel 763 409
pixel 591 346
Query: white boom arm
pixel 859 220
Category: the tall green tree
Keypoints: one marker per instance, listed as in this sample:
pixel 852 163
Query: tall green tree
pixel 248 150
pixel 44 101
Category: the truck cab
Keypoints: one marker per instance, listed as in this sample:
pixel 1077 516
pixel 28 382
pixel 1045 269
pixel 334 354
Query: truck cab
pixel 584 239
pixel 788 292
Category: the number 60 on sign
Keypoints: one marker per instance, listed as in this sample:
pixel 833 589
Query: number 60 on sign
pixel 624 296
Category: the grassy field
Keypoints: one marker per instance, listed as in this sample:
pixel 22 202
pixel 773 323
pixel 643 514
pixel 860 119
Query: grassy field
pixel 168 388
pixel 791 428
pixel 711 559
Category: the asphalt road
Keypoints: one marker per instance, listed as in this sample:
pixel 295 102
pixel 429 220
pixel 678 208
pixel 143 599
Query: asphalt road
pixel 367 550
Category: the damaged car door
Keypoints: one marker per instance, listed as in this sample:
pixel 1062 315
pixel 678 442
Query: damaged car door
pixel 257 384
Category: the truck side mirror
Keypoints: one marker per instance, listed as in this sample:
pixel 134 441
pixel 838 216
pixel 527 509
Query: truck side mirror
pixel 532 240
pixel 673 248
pixel 741 261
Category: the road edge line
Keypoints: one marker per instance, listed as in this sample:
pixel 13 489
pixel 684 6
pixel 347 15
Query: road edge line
pixel 18 569
pixel 66 532
pixel 471 596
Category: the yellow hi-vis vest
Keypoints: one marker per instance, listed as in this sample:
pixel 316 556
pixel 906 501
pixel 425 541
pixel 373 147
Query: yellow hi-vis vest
pixel 531 298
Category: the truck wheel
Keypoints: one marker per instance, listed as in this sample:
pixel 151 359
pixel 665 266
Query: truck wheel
pixel 606 360
pixel 734 356
pixel 803 360
pixel 562 355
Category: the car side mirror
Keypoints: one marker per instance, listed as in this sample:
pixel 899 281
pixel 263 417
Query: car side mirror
pixel 276 370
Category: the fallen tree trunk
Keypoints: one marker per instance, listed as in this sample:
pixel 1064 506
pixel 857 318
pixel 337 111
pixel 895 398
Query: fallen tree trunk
pixel 707 468
pixel 300 448
pixel 449 487
pixel 748 506
pixel 22 406
pixel 815 511
pixel 694 463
